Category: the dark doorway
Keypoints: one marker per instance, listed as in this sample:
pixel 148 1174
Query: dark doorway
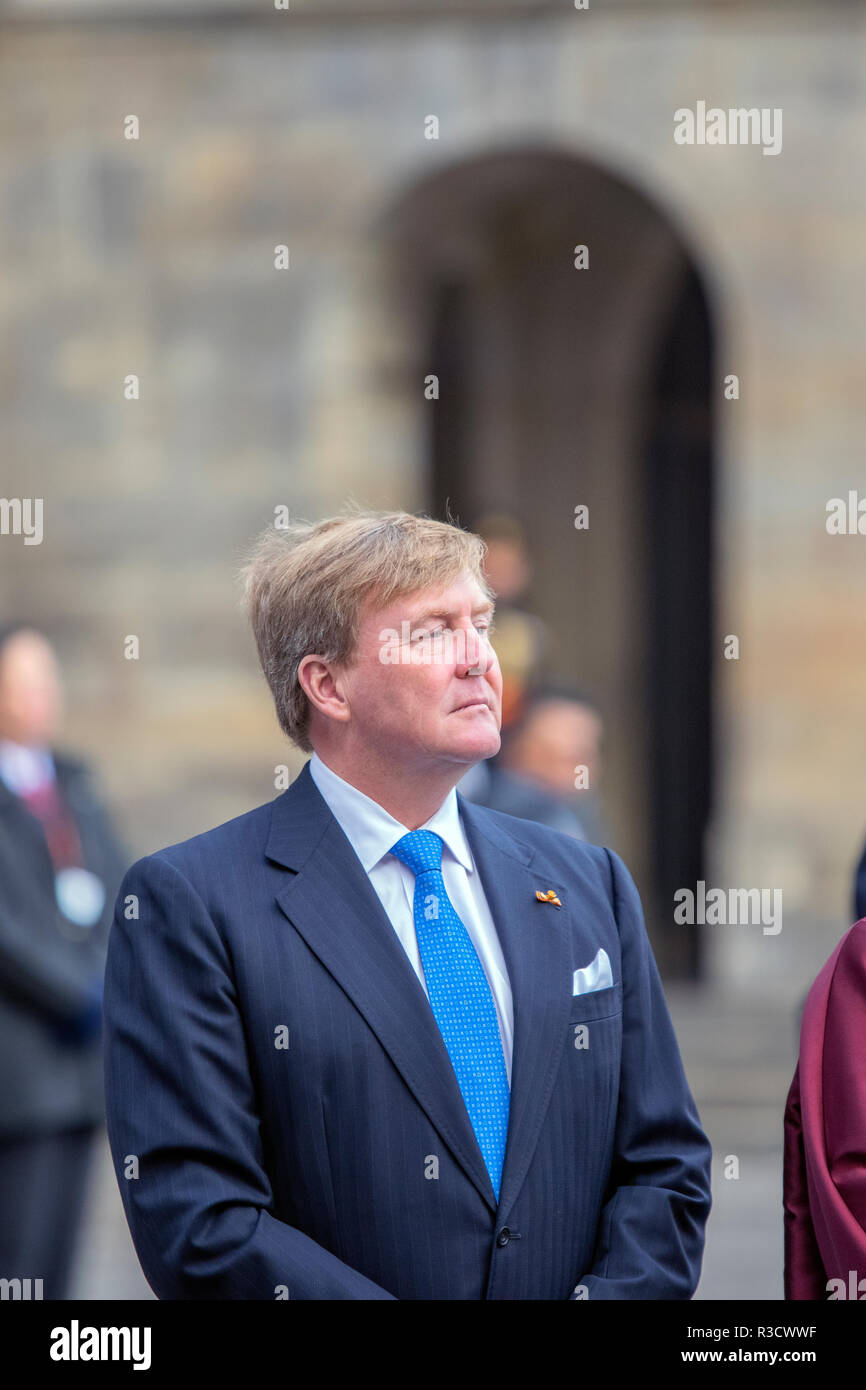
pixel 679 495
pixel 559 387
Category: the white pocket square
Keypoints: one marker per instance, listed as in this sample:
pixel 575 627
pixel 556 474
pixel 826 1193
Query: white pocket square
pixel 596 975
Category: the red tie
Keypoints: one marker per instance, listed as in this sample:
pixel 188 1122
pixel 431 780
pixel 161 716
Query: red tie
pixel 61 832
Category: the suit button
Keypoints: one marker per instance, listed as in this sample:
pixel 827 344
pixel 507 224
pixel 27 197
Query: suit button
pixel 504 1236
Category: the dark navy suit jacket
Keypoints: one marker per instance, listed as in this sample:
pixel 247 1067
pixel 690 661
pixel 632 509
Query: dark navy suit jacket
pixel 283 1115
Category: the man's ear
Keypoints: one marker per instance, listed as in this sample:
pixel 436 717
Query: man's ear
pixel 325 691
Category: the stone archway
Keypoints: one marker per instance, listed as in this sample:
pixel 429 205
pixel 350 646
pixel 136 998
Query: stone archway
pixel 561 387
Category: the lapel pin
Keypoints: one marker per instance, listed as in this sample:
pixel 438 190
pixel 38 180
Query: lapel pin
pixel 548 897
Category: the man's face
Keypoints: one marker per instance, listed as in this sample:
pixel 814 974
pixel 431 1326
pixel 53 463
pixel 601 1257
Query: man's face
pixel 433 694
pixel 30 691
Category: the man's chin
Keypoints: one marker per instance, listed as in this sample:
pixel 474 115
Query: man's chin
pixel 475 749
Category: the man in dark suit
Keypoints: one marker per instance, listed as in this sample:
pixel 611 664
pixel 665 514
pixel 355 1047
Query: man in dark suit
pixel 60 867
pixel 369 1041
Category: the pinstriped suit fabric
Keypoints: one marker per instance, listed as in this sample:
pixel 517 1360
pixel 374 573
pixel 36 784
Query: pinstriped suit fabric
pixel 275 1071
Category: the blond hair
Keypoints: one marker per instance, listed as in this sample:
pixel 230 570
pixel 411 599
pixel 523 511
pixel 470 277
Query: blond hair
pixel 306 586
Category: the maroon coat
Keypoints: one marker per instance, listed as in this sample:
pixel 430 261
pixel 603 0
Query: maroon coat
pixel 825 1131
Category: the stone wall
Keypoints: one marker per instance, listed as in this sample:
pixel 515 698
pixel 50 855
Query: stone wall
pixel 261 387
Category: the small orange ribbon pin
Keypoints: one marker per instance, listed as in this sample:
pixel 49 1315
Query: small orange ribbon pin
pixel 548 897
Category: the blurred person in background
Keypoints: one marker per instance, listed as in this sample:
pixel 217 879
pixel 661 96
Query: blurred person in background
pixel 824 1189
pixel 523 641
pixel 60 868
pixel 554 744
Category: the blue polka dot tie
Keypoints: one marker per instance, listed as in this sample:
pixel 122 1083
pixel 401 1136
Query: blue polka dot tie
pixel 460 998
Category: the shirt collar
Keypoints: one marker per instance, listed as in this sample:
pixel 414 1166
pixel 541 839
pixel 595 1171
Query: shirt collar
pixel 371 830
pixel 24 768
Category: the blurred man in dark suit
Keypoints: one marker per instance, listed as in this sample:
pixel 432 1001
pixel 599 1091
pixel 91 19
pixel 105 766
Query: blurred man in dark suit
pixel 548 767
pixel 60 867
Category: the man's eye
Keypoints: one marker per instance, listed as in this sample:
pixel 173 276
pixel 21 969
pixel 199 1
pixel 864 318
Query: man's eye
pixel 422 634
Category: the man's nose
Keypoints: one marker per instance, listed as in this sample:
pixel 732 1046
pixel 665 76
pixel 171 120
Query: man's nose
pixel 474 655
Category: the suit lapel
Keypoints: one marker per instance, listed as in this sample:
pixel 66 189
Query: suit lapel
pixel 329 899
pixel 332 903
pixel 25 829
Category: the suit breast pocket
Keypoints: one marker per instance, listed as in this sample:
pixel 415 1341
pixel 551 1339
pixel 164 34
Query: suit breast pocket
pixel 598 1003
pixel 590 1076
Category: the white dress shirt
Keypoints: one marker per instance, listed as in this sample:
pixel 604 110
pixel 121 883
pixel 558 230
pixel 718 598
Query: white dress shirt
pixel 24 769
pixel 371 832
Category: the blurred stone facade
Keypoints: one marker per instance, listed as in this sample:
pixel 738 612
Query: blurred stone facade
pixel 304 387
